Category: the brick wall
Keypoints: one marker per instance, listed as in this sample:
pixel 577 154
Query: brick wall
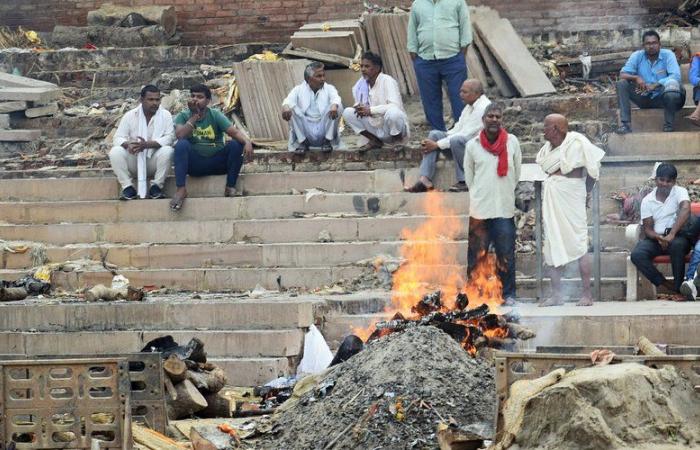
pixel 231 21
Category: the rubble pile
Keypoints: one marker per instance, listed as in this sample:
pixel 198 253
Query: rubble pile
pixel 393 394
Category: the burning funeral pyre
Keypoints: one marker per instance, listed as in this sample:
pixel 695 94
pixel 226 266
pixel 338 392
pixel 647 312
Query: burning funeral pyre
pixel 430 288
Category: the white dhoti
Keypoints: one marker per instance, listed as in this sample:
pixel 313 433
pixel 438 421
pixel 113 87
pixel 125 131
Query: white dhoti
pixel 126 166
pixel 394 122
pixel 302 129
pixel 565 221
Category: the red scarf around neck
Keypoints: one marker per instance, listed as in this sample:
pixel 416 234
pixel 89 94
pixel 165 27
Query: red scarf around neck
pixel 498 148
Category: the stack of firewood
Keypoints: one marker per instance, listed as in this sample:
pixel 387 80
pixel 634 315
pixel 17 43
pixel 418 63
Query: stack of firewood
pixel 193 384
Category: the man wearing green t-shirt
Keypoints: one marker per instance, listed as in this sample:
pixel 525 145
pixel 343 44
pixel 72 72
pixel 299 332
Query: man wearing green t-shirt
pixel 200 148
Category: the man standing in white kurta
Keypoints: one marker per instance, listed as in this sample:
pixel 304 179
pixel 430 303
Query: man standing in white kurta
pixel 573 164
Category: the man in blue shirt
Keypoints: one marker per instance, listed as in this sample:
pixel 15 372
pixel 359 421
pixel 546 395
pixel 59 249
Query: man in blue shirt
pixel 651 78
pixel 694 76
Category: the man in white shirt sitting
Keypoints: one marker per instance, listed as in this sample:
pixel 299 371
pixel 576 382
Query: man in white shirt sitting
pixel 492 163
pixel 453 142
pixel 311 108
pixel 665 214
pixel 143 147
pixel 378 113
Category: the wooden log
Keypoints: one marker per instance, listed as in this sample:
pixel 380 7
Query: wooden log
pixel 210 382
pixel 102 292
pixel 175 369
pixel 114 15
pixel 152 439
pixel 218 405
pixel 189 401
pixel 147 36
pixel 12 294
pixel 646 347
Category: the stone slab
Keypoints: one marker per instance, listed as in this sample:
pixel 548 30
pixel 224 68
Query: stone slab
pixel 4 121
pixel 175 313
pixel 654 143
pixel 341 43
pixel 253 371
pixel 9 80
pixel 19 135
pixel 8 107
pixel 39 111
pixel 31 94
pixel 652 120
pixel 343 80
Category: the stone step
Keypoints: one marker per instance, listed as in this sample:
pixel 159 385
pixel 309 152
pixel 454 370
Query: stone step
pixel 679 143
pixel 218 343
pixel 255 207
pixel 181 313
pixel 207 279
pixel 107 188
pixel 177 256
pixel 380 227
pixel 652 120
pixel 254 371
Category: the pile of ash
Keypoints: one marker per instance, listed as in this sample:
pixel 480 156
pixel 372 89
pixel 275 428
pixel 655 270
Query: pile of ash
pixel 392 395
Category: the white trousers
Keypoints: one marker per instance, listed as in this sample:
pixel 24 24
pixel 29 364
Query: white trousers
pixel 301 129
pixel 394 123
pixel 124 165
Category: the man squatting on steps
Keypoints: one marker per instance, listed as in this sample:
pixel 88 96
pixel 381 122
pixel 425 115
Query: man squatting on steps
pixel 668 227
pixel 200 148
pixel 491 170
pixel 142 147
pixel 572 164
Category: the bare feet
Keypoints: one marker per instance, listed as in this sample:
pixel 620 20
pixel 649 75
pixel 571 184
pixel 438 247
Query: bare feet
pixel 694 119
pixel 585 301
pixel 178 199
pixel 552 301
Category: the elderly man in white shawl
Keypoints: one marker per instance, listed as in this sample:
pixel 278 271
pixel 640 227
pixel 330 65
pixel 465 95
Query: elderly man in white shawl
pixel 573 164
pixel 143 147
pixel 311 108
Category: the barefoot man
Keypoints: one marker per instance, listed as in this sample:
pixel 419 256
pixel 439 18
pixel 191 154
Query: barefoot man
pixel 573 164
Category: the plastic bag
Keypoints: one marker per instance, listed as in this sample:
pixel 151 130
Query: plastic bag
pixel 317 355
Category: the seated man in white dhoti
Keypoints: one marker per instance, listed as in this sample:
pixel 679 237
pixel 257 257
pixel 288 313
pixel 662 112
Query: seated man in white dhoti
pixel 378 113
pixel 311 108
pixel 143 147
pixel 573 164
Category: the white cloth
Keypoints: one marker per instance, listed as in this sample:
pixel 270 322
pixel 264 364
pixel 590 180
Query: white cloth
pixel 133 126
pixel 664 214
pixel 384 96
pixel 394 123
pixel 564 200
pixel 470 122
pixel 310 119
pixel 491 196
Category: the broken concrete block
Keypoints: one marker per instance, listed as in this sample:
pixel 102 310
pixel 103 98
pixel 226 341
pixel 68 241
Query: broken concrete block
pixel 9 80
pixel 48 110
pixel 35 94
pixel 19 135
pixel 8 107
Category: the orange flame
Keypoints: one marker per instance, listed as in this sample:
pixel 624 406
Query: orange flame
pixel 432 263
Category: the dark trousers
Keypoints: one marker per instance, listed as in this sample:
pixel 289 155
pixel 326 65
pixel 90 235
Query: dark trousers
pixel 671 100
pixel 228 161
pixel 501 233
pixel 430 75
pixel 648 249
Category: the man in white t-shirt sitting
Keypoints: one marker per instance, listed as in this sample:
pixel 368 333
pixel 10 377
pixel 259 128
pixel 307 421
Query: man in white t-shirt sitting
pixel 665 211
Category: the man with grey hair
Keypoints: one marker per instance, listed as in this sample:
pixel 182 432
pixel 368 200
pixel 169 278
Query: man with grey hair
pixel 311 109
pixel 453 142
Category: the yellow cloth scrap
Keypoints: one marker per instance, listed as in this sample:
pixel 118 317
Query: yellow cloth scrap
pixel 266 55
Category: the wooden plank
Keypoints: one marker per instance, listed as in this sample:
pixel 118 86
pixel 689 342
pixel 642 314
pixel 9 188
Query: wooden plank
pixel 19 135
pixel 353 25
pixel 8 107
pixel 474 67
pixel 9 80
pixel 4 121
pixel 154 440
pixel 514 57
pixel 343 80
pixel 399 30
pixel 342 43
pixel 33 94
pixel 317 56
pixel 499 76
pixel 39 111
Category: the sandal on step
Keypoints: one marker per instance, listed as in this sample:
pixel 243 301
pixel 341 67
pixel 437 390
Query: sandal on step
pixel 419 187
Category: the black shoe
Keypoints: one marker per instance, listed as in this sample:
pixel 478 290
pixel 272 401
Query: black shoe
pixel 623 129
pixel 668 128
pixel 129 193
pixel 303 148
pixel 326 147
pixel 155 192
pixel 458 187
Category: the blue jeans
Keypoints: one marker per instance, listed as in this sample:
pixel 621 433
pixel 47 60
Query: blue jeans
pixel 430 75
pixel 227 161
pixel 501 233
pixel 694 262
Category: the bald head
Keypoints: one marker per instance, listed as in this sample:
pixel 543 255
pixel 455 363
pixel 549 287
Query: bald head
pixel 470 91
pixel 555 128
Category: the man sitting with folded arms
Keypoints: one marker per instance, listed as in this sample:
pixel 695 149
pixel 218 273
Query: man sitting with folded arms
pixel 311 108
pixel 378 113
pixel 454 141
pixel 200 148
pixel 143 147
